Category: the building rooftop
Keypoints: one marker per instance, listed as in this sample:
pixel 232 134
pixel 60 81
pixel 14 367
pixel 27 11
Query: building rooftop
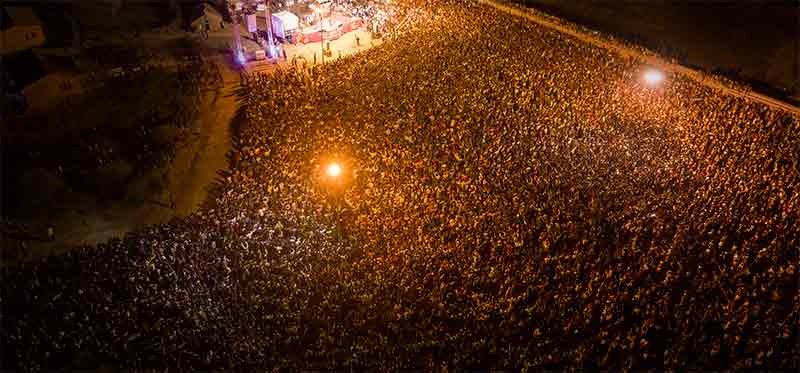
pixel 19 16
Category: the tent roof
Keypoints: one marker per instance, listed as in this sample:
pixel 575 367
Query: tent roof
pixel 286 16
pixel 288 19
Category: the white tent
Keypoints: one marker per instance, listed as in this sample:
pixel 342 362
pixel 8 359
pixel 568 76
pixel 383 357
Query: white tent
pixel 284 23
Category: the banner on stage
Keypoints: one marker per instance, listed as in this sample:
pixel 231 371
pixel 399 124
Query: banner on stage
pixel 251 23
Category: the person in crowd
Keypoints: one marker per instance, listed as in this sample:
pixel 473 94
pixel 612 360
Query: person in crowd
pixel 512 198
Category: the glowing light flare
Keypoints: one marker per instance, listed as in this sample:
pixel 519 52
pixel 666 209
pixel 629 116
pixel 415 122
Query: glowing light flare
pixel 333 170
pixel 653 77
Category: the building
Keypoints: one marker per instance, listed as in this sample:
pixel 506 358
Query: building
pixel 20 30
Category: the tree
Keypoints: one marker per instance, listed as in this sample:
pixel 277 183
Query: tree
pixel 116 5
pixel 176 11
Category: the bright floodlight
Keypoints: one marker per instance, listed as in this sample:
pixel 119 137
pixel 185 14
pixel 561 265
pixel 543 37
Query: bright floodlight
pixel 333 170
pixel 653 77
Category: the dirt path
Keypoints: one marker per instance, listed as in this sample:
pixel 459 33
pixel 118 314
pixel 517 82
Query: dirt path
pixel 651 59
pixel 193 172
pixel 191 189
pixel 191 175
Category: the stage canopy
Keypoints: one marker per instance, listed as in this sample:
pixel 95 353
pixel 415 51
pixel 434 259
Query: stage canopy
pixel 284 23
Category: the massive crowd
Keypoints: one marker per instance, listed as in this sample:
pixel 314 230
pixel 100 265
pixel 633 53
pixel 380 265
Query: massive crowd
pixel 510 198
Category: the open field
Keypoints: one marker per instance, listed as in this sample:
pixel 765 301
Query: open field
pixel 509 197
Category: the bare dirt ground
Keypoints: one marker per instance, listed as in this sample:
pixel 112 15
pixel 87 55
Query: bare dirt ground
pixel 216 134
pixel 46 92
pixel 193 171
pixel 191 175
pixel 758 41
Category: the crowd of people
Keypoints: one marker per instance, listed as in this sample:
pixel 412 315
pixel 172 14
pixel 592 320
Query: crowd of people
pixel 631 40
pixel 509 198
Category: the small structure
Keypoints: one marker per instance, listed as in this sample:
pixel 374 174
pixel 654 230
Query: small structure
pixel 20 30
pixel 250 19
pixel 330 28
pixel 284 23
pixel 215 20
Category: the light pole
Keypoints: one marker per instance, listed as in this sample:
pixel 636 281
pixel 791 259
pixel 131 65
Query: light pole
pixel 318 12
pixel 268 15
pixel 237 38
pixel 322 37
pixel 269 29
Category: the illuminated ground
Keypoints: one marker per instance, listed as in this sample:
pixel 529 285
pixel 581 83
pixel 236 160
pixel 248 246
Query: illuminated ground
pixel 505 197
